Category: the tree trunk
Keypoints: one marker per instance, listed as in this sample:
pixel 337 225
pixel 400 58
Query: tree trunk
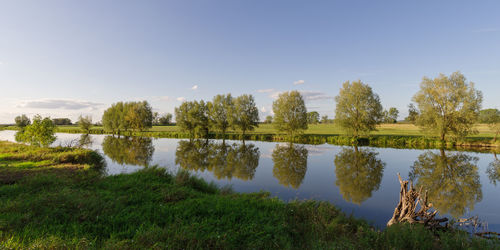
pixel 406 210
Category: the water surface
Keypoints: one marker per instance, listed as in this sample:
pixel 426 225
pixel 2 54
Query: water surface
pixel 360 180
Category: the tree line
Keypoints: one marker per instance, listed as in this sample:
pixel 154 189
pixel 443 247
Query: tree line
pixel 445 106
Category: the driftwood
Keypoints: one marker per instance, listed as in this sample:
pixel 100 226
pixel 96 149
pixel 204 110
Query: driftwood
pixel 409 201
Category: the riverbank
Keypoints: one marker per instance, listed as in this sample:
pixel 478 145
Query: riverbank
pixel 80 208
pixel 387 135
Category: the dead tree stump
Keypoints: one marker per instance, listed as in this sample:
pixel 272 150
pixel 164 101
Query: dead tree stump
pixel 409 201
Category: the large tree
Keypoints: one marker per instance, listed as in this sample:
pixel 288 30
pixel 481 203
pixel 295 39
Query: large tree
pixel 219 113
pixel 129 115
pixel 358 108
pixel 290 113
pixel 246 115
pixel 192 116
pixel 448 105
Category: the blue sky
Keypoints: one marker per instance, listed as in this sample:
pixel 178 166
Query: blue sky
pixel 66 58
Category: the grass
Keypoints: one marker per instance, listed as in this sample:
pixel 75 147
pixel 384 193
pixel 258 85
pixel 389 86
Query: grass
pixel 154 209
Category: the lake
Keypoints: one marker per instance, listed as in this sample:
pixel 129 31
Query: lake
pixel 360 180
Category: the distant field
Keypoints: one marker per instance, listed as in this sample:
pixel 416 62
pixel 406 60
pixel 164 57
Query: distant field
pixel 400 129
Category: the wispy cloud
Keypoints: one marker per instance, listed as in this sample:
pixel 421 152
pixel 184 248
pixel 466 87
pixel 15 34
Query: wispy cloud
pixel 315 95
pixel 299 82
pixel 265 90
pixel 486 30
pixel 59 104
pixel 181 99
pixel 195 87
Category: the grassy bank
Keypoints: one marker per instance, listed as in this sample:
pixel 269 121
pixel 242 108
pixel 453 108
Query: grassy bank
pixel 155 209
pixel 387 135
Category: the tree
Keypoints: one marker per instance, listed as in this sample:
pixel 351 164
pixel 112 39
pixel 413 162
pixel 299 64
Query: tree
pixel 129 115
pixel 448 105
pixel 359 173
pixel 246 115
pixel 492 118
pixel 85 123
pixel 61 121
pixel 324 119
pixel 452 181
pixel 358 109
pixel 156 119
pixel 269 119
pixel 39 133
pixel 220 111
pixel 391 115
pixel 22 121
pixel 165 119
pixel 290 113
pixel 412 113
pixel 290 164
pixel 313 117
pixel 192 116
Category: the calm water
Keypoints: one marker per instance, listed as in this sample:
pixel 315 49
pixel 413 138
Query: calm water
pixel 362 181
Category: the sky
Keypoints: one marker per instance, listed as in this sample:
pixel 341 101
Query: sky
pixel 69 58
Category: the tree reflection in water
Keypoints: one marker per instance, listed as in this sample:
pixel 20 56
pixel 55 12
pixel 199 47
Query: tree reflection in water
pixel 451 180
pixel 129 150
pixel 358 172
pixel 290 164
pixel 85 141
pixel 493 171
pixel 225 161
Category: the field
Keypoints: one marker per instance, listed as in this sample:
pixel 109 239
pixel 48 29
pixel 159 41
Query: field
pixel 80 208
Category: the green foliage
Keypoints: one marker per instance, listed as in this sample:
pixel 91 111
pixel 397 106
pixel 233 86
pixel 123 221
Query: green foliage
pixel 225 161
pixel 22 121
pixel 412 113
pixel 61 121
pixel 290 113
pixel 246 115
pixel 85 123
pixel 359 173
pixel 129 150
pixel 39 133
pixel 269 119
pixel 452 181
pixel 129 115
pixel 192 117
pixel 313 117
pixel 290 164
pixel 220 112
pixel 448 105
pixel 391 115
pixel 165 120
pixel 492 118
pixel 358 109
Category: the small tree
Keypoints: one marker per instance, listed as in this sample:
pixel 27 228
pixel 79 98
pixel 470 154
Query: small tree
pixel 313 117
pixel 165 119
pixel 324 119
pixel 192 116
pixel 358 109
pixel 391 116
pixel 85 123
pixel 448 105
pixel 269 119
pixel 246 115
pixel 39 133
pixel 492 118
pixel 290 113
pixel 412 113
pixel 22 121
pixel 219 113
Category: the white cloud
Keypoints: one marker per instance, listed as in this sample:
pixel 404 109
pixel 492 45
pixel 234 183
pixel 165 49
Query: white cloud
pixel 315 95
pixel 165 98
pixel 275 95
pixel 181 99
pixel 265 90
pixel 299 82
pixel 195 87
pixel 59 104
